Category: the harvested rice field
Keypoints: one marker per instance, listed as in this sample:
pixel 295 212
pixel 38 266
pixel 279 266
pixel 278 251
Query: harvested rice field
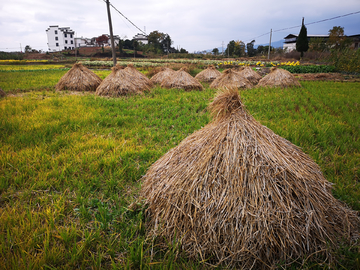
pixel 73 166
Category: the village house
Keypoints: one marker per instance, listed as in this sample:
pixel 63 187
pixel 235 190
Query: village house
pixel 290 41
pixel 141 38
pixel 63 38
pixel 60 38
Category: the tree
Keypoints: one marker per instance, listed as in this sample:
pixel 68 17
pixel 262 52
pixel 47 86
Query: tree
pixel 159 43
pixel 27 48
pixel 250 48
pixel 183 51
pixel 166 43
pixel 229 51
pixel 337 39
pixel 135 45
pixel 101 40
pixel 127 44
pixel 239 48
pixel 302 43
pixel 317 44
pixel 156 41
pixel 261 49
pixel 215 51
pixel 120 46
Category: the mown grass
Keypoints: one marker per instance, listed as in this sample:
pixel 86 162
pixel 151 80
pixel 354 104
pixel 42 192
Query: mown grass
pixel 70 165
pixel 30 78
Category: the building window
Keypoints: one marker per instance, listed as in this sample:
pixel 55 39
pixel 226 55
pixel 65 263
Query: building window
pixel 65 41
pixel 72 42
pixel 57 44
pixel 65 35
pixel 65 48
pixel 55 32
pixel 71 35
pixel 56 38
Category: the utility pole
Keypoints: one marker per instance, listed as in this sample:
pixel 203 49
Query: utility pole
pixel 269 44
pixel 75 49
pixel 111 33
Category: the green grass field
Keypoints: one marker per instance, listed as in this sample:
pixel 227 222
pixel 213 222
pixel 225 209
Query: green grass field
pixel 70 164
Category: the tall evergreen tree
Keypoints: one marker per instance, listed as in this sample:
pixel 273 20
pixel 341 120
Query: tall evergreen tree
pixel 302 43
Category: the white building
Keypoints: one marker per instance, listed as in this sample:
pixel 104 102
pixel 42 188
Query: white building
pixel 60 38
pixel 84 42
pixel 91 42
pixel 141 38
pixel 290 41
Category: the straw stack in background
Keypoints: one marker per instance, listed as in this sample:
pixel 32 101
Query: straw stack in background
pixel 279 78
pixel 208 75
pixel 231 79
pixel 123 81
pixel 181 79
pixel 78 78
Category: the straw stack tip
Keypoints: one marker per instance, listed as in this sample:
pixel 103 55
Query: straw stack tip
pixel 225 102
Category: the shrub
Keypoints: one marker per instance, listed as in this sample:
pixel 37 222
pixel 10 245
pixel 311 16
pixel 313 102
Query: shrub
pixel 11 56
pixel 347 60
pixel 309 69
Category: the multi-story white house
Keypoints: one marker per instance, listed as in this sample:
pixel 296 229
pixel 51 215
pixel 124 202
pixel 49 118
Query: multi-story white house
pixel 60 38
pixel 141 38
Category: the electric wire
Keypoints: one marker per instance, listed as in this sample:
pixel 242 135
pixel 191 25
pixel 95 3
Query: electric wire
pixel 292 27
pixel 126 18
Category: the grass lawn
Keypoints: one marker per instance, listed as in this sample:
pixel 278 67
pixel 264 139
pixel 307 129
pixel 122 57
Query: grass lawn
pixel 70 164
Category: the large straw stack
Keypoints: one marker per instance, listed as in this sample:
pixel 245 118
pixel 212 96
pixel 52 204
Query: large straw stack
pixel 78 78
pixel 137 77
pixel 236 193
pixel 182 80
pixel 208 75
pixel 250 74
pixel 231 79
pixel 279 78
pixel 162 75
pixel 121 83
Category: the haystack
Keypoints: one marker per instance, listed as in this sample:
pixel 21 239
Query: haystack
pixel 137 77
pixel 182 80
pixel 164 73
pixel 250 74
pixel 79 78
pixel 121 83
pixel 231 79
pixel 208 75
pixel 279 78
pixel 236 193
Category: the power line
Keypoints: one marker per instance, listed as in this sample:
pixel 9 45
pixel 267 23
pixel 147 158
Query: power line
pixel 126 18
pixel 292 27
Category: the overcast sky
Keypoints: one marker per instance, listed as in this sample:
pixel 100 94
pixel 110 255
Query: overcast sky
pixel 194 25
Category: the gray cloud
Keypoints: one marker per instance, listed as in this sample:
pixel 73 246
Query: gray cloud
pixel 193 25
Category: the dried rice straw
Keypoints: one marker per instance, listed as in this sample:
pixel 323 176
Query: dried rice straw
pixel 78 78
pixel 236 193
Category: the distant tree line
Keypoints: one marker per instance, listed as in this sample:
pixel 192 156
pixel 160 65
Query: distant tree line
pixel 158 43
pixel 240 49
pixel 336 41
